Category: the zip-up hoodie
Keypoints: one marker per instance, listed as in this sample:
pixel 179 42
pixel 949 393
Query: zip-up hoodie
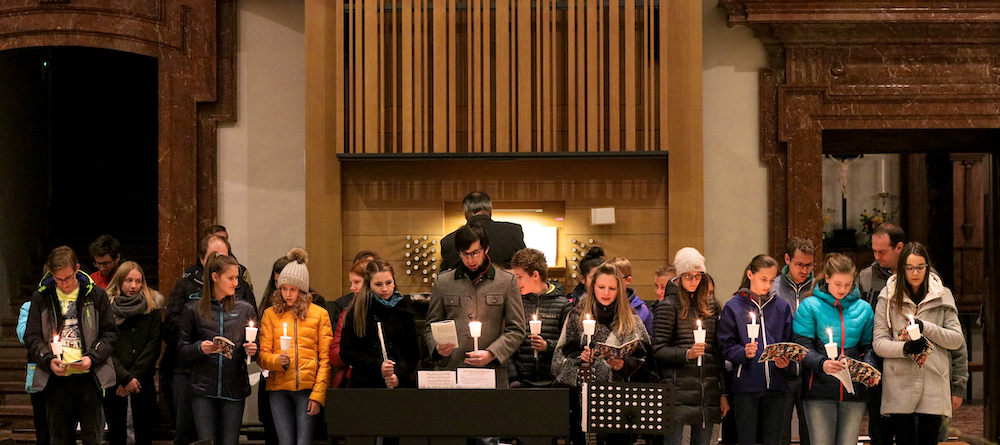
pixel 851 320
pixel 775 316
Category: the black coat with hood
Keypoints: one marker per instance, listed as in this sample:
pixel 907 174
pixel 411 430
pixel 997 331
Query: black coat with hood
pixel 551 307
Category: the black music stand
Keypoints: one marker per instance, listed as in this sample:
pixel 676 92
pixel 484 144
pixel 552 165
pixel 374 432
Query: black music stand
pixel 629 408
pixel 447 416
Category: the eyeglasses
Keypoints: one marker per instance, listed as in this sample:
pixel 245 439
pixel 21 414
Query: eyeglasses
pixel 692 277
pixel 917 268
pixel 474 254
pixel 103 263
pixel 64 280
pixel 804 265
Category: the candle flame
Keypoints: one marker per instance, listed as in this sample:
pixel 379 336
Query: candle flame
pixel 753 317
pixel 251 323
pixel 699 324
pixel 588 316
pixel 534 317
pixel 55 339
pixel 829 331
pixel 911 320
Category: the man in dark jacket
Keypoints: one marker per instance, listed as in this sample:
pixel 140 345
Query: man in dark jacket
pixel 546 302
pixel 794 283
pixel 71 334
pixel 174 375
pixel 505 237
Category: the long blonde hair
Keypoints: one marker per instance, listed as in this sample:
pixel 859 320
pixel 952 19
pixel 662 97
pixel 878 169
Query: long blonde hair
pixel 626 322
pixel 115 285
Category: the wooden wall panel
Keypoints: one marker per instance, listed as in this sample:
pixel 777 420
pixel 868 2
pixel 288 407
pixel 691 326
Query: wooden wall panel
pixel 378 213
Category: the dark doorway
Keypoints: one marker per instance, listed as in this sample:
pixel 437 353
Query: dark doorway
pixel 79 145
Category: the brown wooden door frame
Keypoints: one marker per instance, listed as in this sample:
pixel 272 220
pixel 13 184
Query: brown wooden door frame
pixel 194 42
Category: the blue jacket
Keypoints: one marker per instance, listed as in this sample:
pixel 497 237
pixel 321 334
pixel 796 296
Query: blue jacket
pixel 775 315
pixel 640 308
pixel 22 325
pixel 852 321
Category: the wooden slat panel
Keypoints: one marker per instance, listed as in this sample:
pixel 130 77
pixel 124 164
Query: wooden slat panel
pixel 477 75
pixel 406 56
pixel 487 72
pixel 631 76
pixel 399 222
pixel 503 72
pixel 357 135
pixel 380 78
pixel 371 72
pixel 663 100
pixel 340 81
pixel 571 77
pixel 392 90
pixel 439 33
pixel 523 77
pixel 539 99
pixel 614 76
pixel 592 77
pixel 419 79
pixel 647 78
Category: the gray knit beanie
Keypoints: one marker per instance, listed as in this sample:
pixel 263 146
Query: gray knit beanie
pixel 689 260
pixel 295 272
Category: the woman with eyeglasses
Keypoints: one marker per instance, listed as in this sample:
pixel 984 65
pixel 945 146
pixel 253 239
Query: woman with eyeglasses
pixel 699 385
pixel 916 397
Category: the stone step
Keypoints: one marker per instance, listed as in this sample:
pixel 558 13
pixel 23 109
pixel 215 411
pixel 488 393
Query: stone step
pixel 13 370
pixel 16 417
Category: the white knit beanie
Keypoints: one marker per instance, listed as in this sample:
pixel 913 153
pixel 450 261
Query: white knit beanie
pixel 295 272
pixel 689 260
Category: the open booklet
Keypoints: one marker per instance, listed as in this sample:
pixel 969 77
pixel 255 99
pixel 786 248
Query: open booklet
pixel 444 332
pixel 792 351
pixel 223 346
pixel 605 351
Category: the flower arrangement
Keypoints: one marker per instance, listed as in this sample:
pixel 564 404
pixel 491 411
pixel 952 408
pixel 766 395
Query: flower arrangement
pixel 871 221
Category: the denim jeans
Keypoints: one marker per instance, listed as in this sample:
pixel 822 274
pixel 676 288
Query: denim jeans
pixel 793 401
pixel 184 430
pixel 72 399
pixel 699 435
pixel 218 420
pixel 770 405
pixel 292 421
pixel 833 422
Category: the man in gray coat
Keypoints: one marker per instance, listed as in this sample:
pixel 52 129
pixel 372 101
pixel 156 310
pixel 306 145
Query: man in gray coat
pixel 476 291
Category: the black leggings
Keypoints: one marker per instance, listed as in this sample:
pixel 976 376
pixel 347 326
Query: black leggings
pixel 915 429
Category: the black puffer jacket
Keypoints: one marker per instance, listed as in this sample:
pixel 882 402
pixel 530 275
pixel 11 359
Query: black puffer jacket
pixel 551 308
pixel 214 375
pixel 698 389
pixel 364 354
pixel 138 346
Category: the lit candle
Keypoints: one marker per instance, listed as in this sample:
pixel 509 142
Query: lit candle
pixel 913 329
pixel 883 175
pixel 284 330
pixel 753 329
pixel 699 337
pixel 475 329
pixel 831 347
pixel 251 333
pixel 536 328
pixel 57 347
pixel 589 326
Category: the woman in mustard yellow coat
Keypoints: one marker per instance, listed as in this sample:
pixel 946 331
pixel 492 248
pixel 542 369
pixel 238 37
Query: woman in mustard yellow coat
pixel 299 369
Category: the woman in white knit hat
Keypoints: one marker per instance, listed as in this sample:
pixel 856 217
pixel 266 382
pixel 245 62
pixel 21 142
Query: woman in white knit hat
pixel 299 369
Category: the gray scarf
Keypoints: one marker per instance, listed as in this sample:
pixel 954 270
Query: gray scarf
pixel 125 307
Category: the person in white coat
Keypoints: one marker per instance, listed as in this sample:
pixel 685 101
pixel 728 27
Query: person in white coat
pixel 916 397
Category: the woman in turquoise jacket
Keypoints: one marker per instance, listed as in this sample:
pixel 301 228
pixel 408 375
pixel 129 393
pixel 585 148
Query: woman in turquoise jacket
pixel 834 310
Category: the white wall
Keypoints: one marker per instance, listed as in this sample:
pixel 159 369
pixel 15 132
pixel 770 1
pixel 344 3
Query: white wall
pixel 262 155
pixel 735 178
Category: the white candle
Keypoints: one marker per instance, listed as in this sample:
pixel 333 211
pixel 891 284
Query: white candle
pixel 589 326
pixel 57 347
pixel 475 329
pixel 883 175
pixel 251 333
pixel 753 318
pixel 284 330
pixel 699 337
pixel 536 328
pixel 753 329
pixel 913 329
pixel 829 332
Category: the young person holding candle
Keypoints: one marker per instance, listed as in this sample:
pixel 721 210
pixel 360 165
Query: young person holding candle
pixel 685 347
pixel 70 334
pixel 546 307
pixel 916 397
pixel 219 383
pixel 379 336
pixel 298 372
pixel 750 321
pixel 137 313
pixel 834 321
pixel 604 316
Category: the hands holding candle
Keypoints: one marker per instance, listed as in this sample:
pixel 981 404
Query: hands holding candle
pixel 698 349
pixel 251 334
pixel 537 342
pixel 753 331
pixel 476 357
pixel 286 341
pixel 914 329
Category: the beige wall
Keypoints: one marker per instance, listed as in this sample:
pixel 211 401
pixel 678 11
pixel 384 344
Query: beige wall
pixel 735 178
pixel 262 155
